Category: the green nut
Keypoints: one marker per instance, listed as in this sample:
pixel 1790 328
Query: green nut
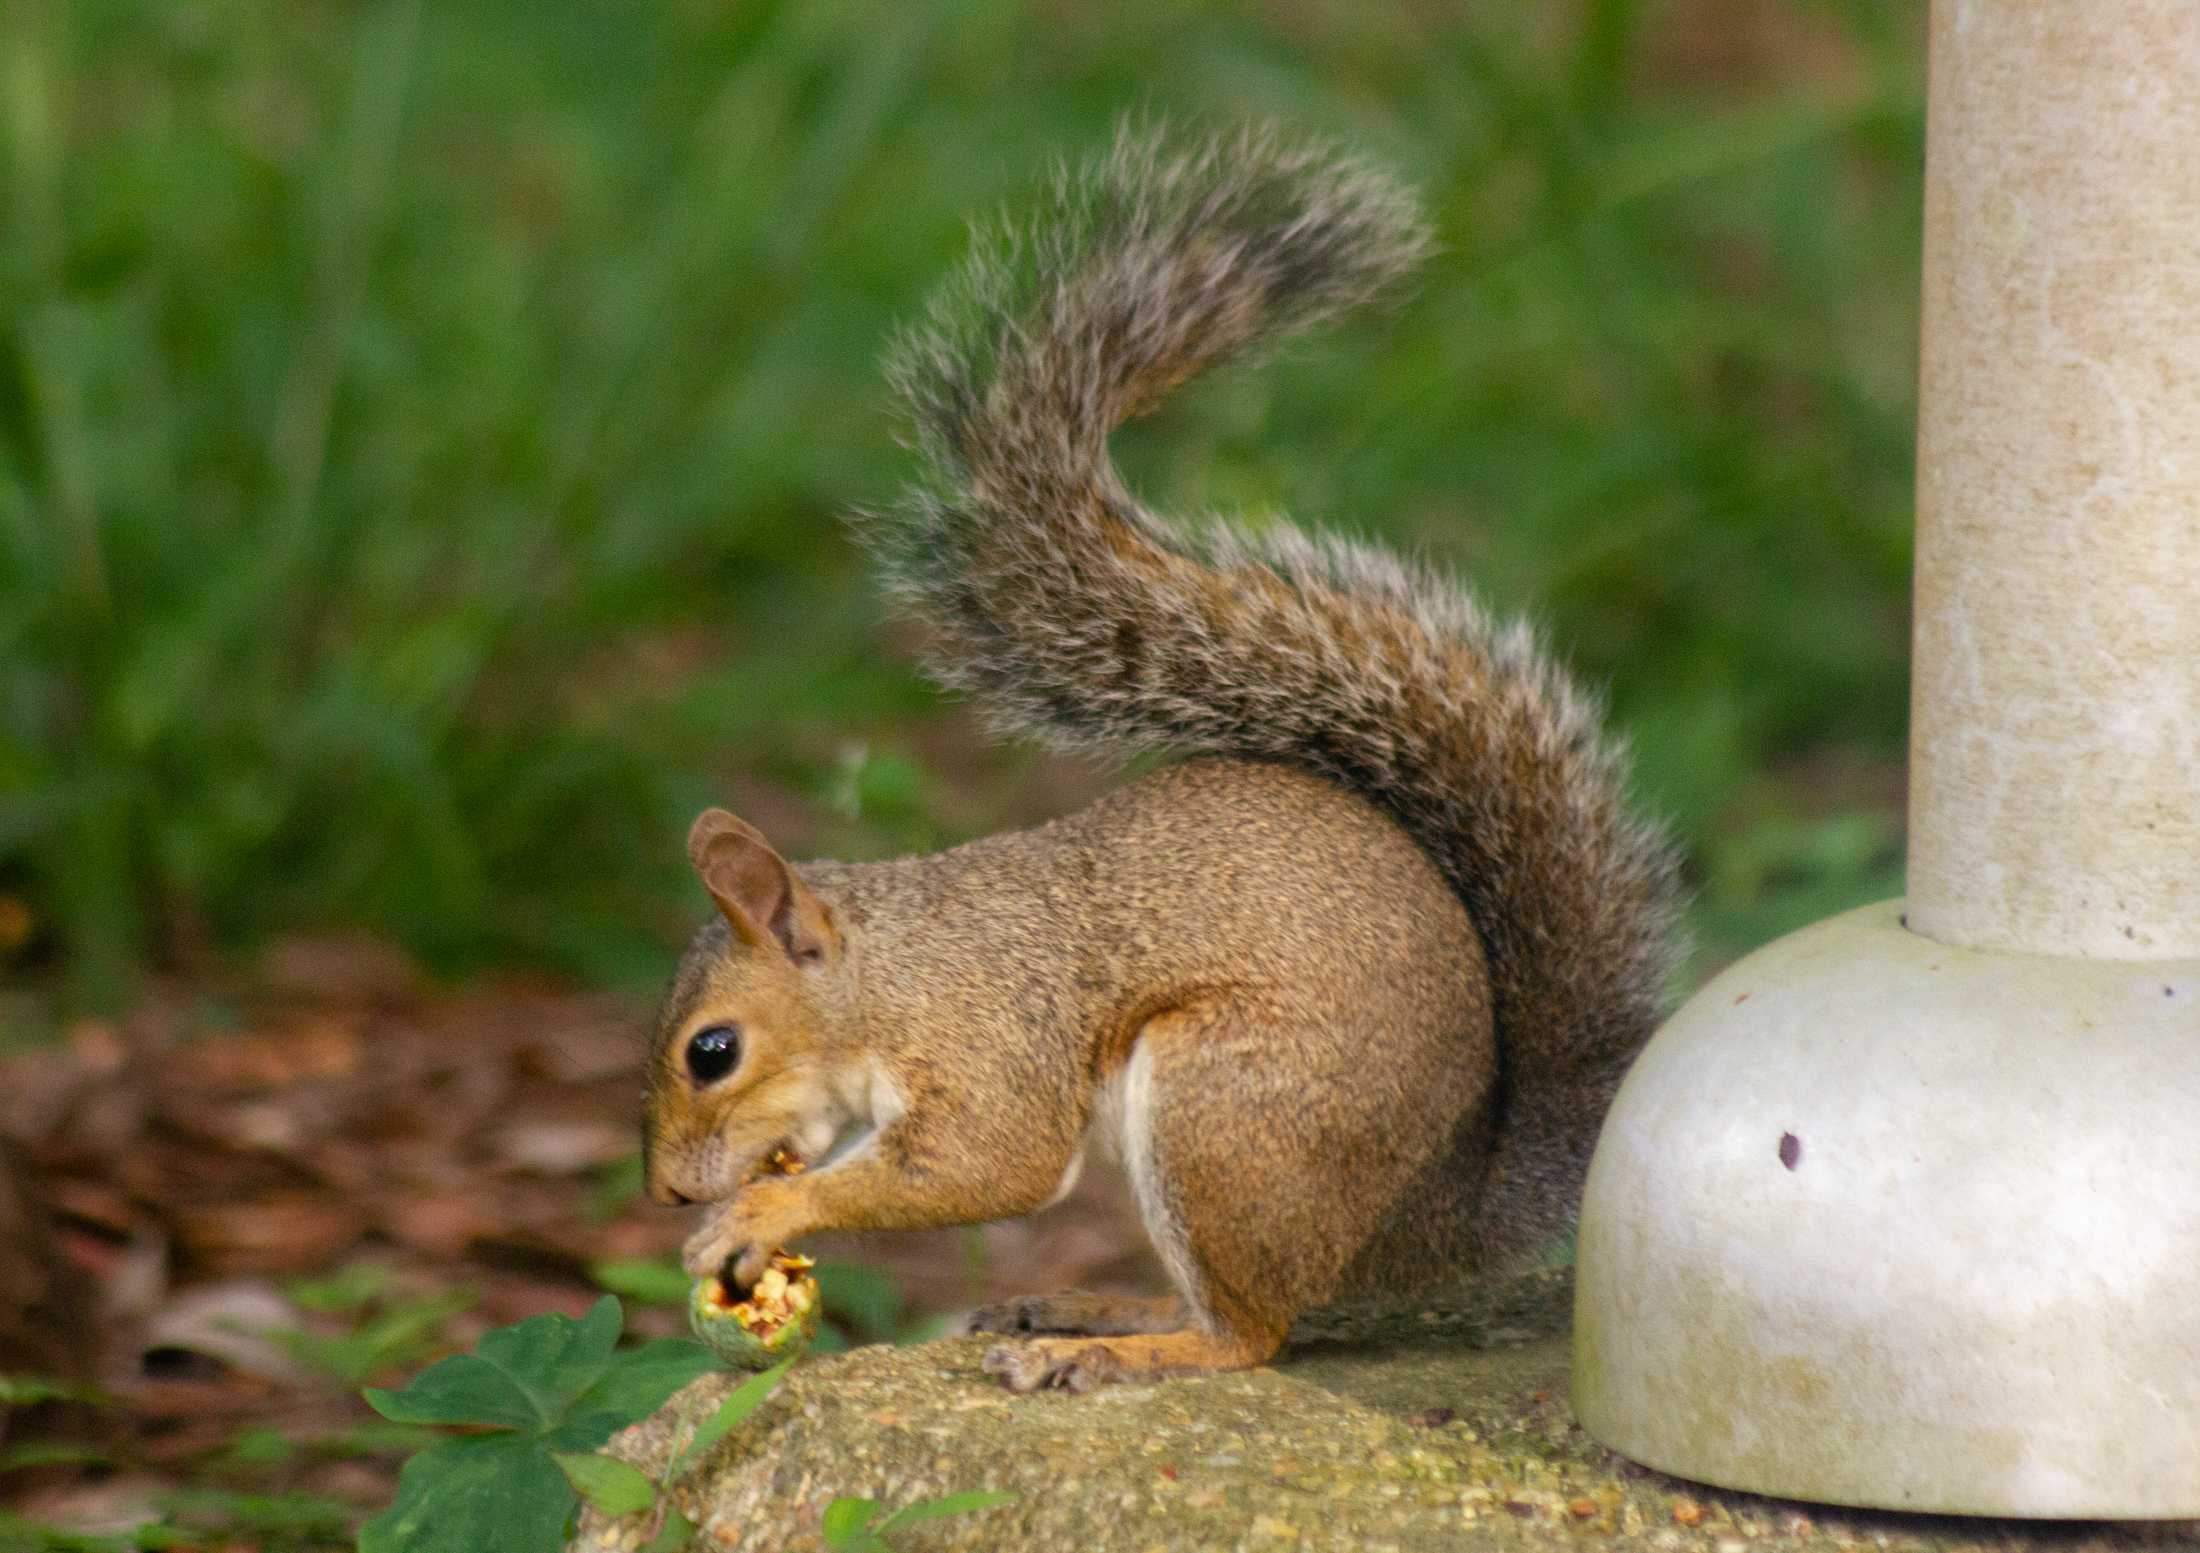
pixel 776 1321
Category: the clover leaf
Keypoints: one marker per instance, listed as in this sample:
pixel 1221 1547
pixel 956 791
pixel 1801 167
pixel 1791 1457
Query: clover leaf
pixel 490 1491
pixel 549 1390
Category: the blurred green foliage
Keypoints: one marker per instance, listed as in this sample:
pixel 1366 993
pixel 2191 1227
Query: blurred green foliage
pixel 422 427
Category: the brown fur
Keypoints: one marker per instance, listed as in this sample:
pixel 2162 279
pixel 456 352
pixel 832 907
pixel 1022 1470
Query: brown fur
pixel 1352 992
pixel 1262 933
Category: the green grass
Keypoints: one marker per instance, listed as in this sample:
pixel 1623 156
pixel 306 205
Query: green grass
pixel 422 427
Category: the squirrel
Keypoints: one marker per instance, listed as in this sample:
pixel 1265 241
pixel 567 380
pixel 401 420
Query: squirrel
pixel 1348 987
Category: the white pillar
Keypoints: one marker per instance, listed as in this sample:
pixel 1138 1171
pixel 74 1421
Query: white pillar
pixel 1902 1210
pixel 2055 735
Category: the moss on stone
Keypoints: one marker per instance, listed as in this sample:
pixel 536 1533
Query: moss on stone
pixel 1430 1427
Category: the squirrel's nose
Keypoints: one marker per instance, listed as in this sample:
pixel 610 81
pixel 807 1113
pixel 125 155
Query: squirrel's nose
pixel 661 1189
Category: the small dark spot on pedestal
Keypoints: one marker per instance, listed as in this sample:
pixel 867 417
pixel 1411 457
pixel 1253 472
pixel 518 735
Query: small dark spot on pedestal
pixel 1791 1150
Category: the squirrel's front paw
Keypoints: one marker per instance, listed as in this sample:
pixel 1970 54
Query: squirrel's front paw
pixel 708 1249
pixel 737 1240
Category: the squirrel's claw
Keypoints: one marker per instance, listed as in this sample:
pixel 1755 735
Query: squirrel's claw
pixel 745 1269
pixel 736 1241
pixel 717 1249
pixel 1044 1365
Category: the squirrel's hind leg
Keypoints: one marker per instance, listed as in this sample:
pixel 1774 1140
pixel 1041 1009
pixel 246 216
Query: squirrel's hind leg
pixel 1081 1363
pixel 1263 1162
pixel 1077 1314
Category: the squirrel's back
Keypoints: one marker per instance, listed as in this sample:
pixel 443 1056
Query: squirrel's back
pixel 1074 614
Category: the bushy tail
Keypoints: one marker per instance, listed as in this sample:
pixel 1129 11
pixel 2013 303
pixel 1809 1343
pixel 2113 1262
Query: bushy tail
pixel 1072 613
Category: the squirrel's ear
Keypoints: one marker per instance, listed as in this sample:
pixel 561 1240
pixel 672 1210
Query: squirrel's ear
pixel 757 893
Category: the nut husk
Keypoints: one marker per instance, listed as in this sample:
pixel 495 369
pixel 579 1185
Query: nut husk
pixel 774 1323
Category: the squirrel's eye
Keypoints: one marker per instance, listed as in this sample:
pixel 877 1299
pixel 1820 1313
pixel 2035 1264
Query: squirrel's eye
pixel 713 1052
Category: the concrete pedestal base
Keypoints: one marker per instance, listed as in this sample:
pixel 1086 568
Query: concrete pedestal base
pixel 1875 1221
